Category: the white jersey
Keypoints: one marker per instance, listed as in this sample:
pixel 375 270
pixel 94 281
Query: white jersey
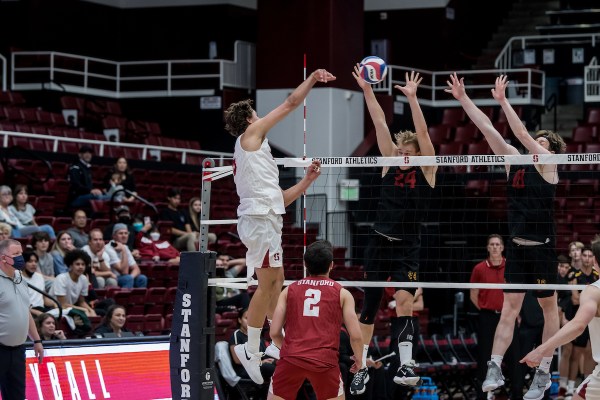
pixel 257 181
pixel 594 326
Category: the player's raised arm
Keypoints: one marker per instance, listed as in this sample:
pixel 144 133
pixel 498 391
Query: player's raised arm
pixel 386 145
pixel 278 321
pixel 457 88
pixel 259 127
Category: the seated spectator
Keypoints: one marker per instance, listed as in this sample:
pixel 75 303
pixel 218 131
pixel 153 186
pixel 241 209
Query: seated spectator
pixel 25 212
pixel 194 217
pixel 122 263
pixel 240 336
pixel 81 189
pixel 127 179
pixel 114 321
pixel 8 216
pixel 37 301
pixel 100 261
pixel 5 231
pixel 62 245
pixel 71 288
pixel 122 216
pixel 114 185
pixel 231 266
pixel 46 326
pixel 40 241
pixel 182 236
pixel 77 231
pixel 151 246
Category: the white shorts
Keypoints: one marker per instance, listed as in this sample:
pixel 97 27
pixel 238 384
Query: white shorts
pixel 589 389
pixel 261 234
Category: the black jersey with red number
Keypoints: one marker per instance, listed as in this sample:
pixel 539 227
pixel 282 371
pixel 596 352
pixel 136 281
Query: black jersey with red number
pixel 404 197
pixel 530 204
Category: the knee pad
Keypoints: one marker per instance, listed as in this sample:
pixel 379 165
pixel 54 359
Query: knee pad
pixel 407 330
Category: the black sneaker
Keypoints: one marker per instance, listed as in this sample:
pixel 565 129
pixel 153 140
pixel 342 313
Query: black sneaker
pixel 359 382
pixel 406 375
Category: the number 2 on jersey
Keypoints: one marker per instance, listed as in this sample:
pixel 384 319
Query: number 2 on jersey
pixel 311 309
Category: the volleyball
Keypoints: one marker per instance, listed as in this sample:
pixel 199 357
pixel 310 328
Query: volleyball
pixel 373 69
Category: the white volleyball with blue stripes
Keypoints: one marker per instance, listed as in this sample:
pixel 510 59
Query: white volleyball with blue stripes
pixel 373 69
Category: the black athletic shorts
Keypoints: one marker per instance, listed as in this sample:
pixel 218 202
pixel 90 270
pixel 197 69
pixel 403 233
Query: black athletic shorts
pixel 395 259
pixel 583 339
pixel 530 265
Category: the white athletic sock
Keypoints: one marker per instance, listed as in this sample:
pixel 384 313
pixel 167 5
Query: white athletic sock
pixel 364 355
pixel 562 382
pixel 253 343
pixel 497 359
pixel 570 386
pixel 405 352
pixel 545 364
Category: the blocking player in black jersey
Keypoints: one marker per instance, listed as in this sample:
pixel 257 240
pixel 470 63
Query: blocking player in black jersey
pixel 393 249
pixel 530 256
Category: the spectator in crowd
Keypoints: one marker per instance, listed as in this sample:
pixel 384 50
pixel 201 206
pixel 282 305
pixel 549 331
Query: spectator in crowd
pixel 127 179
pixel 114 186
pixel 8 216
pixel 575 254
pixel 46 326
pixel 77 230
pixel 182 236
pixel 194 218
pixel 231 266
pixel 100 261
pixel 114 321
pixel 40 241
pixel 564 306
pixel 489 303
pixel 122 216
pixel 25 212
pixel 240 336
pixel 5 231
pixel 81 186
pixel 152 247
pixel 122 263
pixel 37 301
pixel 62 245
pixel 71 288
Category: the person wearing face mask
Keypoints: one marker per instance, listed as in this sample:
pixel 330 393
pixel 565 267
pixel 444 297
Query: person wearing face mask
pixel 123 216
pixel 150 246
pixel 16 322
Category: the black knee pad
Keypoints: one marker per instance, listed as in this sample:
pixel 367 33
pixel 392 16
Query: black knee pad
pixel 371 304
pixel 407 330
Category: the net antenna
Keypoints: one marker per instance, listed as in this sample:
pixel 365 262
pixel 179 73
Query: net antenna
pixel 304 158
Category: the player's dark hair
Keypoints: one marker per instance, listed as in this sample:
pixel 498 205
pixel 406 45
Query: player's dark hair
pixel 318 257
pixel 557 144
pixel 75 255
pixel 236 117
pixel 586 248
pixel 495 235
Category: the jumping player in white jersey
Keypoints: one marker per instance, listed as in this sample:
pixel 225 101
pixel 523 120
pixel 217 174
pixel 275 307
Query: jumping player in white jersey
pixel 262 203
pixel 588 314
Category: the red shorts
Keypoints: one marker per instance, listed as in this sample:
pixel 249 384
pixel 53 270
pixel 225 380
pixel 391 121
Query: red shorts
pixel 288 378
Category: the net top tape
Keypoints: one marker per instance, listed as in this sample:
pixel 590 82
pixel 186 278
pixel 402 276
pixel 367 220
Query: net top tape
pixel 447 160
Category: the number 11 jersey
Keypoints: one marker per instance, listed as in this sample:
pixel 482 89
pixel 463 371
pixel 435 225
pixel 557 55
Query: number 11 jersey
pixel 313 323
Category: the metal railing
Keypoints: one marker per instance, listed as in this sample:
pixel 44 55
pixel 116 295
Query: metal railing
pixel 222 158
pixel 518 43
pixel 526 88
pixel 591 81
pixel 37 70
pixel 3 68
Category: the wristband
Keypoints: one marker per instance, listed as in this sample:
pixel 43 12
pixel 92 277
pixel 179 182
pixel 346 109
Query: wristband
pixel 101 260
pixel 37 341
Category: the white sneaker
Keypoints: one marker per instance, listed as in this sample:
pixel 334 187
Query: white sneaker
pixel 493 377
pixel 272 351
pixel 250 362
pixel 541 382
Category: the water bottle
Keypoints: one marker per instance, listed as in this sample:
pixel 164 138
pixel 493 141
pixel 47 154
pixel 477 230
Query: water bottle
pixel 555 385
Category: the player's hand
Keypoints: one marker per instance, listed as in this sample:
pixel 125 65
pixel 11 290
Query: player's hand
pixel 374 364
pixel 499 92
pixel 533 359
pixel 322 75
pixel 456 87
pixel 412 83
pixel 314 170
pixel 361 82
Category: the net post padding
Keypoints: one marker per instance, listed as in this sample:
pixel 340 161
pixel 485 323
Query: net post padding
pixel 192 342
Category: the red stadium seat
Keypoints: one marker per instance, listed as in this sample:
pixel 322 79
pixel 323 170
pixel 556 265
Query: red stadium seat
pixel 583 134
pixel 453 116
pixel 439 133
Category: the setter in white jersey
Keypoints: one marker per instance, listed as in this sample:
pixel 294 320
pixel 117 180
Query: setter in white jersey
pixel 312 310
pixel 262 202
pixel 588 314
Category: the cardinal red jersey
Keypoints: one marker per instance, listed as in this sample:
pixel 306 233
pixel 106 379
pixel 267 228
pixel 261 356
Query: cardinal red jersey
pixel 313 323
